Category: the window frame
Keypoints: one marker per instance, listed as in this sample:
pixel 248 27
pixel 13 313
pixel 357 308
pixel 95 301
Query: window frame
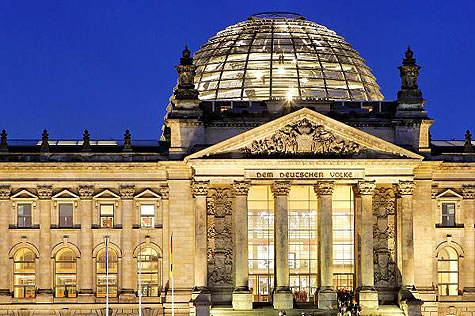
pixel 72 214
pixel 448 196
pixel 65 197
pixel 448 272
pixel 158 272
pixel 15 273
pixel 108 216
pixel 148 197
pixel 103 274
pixel 56 273
pixel 18 215
pixel 24 196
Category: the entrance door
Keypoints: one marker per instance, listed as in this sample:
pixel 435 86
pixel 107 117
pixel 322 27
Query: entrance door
pixel 261 286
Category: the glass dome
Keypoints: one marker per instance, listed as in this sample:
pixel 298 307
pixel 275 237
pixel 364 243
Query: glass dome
pixel 281 55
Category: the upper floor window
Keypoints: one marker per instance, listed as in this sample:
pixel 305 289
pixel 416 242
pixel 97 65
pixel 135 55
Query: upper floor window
pixel 65 215
pixel 448 214
pixel 24 274
pixel 65 265
pixel 24 215
pixel 107 215
pixel 447 268
pixel 147 215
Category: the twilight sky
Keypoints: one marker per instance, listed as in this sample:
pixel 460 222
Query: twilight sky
pixel 107 65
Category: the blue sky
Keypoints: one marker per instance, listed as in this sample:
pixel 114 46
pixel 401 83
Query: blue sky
pixel 108 65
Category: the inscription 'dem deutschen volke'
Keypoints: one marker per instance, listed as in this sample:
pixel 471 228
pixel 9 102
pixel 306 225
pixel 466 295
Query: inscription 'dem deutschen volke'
pixel 305 174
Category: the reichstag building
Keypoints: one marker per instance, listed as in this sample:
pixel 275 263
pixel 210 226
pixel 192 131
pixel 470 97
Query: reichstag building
pixel 282 176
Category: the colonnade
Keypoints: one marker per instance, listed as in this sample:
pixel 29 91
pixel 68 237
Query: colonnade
pixel 327 298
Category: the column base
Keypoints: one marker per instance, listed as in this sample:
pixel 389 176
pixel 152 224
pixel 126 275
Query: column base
pixel 44 296
pixel 127 295
pixel 469 293
pixel 368 298
pixel 242 299
pixel 327 299
pixel 86 296
pixel 283 299
pixel 5 295
pixel 408 293
pixel 201 300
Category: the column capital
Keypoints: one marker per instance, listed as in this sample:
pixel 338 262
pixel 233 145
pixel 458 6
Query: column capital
pixel 199 188
pixel 324 187
pixel 468 191
pixel 281 187
pixel 86 191
pixel 241 187
pixel 5 190
pixel 165 192
pixel 405 187
pixel 44 191
pixel 127 191
pixel 366 187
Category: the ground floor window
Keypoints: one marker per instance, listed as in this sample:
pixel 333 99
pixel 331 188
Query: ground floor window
pixel 148 268
pixel 447 267
pixel 65 265
pixel 104 276
pixel 261 286
pixel 24 274
pixel 343 281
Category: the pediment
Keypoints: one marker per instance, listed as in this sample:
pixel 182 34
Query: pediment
pixel 24 194
pixel 449 194
pixel 304 134
pixel 147 194
pixel 106 194
pixel 66 194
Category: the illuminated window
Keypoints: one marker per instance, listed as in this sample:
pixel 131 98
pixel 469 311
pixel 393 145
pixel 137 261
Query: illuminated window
pixel 66 215
pixel 448 270
pixel 303 242
pixel 101 273
pixel 65 266
pixel 149 265
pixel 147 214
pixel 448 214
pixel 24 274
pixel 24 215
pixel 107 215
pixel 261 242
pixel 343 236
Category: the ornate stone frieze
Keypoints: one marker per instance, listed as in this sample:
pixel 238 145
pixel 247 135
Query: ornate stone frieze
pixel 281 187
pixel 5 191
pixel 384 237
pixel 241 187
pixel 44 191
pixel 366 187
pixel 406 187
pixel 127 191
pixel 199 187
pixel 303 138
pixel 165 192
pixel 468 191
pixel 324 187
pixel 86 191
pixel 220 237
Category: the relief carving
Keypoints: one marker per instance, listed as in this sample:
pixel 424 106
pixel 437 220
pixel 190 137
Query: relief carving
pixel 384 237
pixel 220 237
pixel 303 138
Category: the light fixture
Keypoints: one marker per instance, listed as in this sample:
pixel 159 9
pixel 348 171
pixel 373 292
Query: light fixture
pixel 290 94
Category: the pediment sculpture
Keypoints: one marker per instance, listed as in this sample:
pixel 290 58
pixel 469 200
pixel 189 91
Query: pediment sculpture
pixel 303 138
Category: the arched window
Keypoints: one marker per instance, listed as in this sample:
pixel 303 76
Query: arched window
pixel 65 267
pixel 448 270
pixel 24 273
pixel 149 265
pixel 101 273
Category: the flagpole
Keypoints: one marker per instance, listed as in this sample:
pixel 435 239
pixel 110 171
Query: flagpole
pixel 171 272
pixel 140 279
pixel 107 274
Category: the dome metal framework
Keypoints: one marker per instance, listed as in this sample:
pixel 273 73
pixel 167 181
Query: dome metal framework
pixel 281 55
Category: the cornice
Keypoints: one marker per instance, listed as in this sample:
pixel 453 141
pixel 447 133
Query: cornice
pixel 88 166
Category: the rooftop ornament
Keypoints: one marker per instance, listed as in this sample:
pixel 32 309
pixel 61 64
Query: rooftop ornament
pixel 277 15
pixel 409 72
pixel 186 74
pixel 468 147
pixel 3 141
pixel 127 141
pixel 44 141
pixel 86 144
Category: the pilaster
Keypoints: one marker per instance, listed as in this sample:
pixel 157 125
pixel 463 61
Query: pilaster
pixel 45 293
pixel 127 243
pixel 86 263
pixel 468 207
pixel 5 206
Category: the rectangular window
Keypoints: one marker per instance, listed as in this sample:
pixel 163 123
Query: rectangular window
pixel 66 215
pixel 107 215
pixel 448 214
pixel 147 215
pixel 24 215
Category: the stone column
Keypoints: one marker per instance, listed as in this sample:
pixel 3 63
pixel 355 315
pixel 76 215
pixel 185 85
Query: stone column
pixel 405 189
pixel 45 292
pixel 5 209
pixel 165 203
pixel 86 264
pixel 282 295
pixel 200 192
pixel 127 243
pixel 326 296
pixel 242 297
pixel 468 206
pixel 367 295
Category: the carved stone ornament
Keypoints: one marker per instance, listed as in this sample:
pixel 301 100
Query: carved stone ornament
pixel 199 187
pixel 468 191
pixel 241 187
pixel 303 138
pixel 86 191
pixel 406 187
pixel 434 190
pixel 44 191
pixel 220 238
pixel 127 191
pixel 324 187
pixel 165 192
pixel 366 187
pixel 5 191
pixel 384 237
pixel 281 188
